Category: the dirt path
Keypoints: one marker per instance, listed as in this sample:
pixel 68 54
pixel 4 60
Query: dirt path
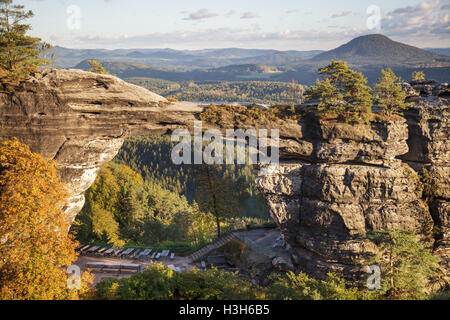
pixel 263 237
pixel 180 263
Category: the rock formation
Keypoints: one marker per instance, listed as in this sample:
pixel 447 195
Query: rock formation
pixel 429 149
pixel 360 179
pixel 336 181
pixel 80 120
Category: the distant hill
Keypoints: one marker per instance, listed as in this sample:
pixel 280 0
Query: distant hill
pixel 377 49
pixel 282 58
pixel 441 51
pixel 183 59
pixel 228 73
pixel 367 54
pixel 135 69
pixel 247 69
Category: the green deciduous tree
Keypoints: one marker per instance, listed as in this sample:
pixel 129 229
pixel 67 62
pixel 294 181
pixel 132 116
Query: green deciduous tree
pixel 105 227
pixel 389 94
pixel 19 53
pixel 342 92
pixel 121 207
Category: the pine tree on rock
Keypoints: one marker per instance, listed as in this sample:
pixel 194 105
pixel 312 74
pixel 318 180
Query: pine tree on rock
pixel 418 75
pixel 19 53
pixel 389 94
pixel 342 92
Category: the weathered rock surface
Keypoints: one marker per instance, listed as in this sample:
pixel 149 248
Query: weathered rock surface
pixel 336 181
pixel 429 135
pixel 80 120
pixel 325 210
pixel 360 179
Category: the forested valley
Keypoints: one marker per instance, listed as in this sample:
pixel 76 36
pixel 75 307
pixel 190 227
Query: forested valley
pixel 263 92
pixel 143 199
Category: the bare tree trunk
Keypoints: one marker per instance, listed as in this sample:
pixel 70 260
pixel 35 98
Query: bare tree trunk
pixel 214 197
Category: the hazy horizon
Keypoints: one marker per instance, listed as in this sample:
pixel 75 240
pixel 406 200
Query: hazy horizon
pixel 201 25
pixel 219 48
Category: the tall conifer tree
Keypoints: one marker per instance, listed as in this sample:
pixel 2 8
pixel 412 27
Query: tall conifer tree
pixel 20 55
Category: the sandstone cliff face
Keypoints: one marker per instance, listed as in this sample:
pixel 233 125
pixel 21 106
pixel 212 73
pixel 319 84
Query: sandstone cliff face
pixel 429 135
pixel 326 206
pixel 80 120
pixel 336 181
pixel 360 179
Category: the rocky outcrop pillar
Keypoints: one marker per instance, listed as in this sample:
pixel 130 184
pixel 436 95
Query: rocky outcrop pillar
pixel 352 184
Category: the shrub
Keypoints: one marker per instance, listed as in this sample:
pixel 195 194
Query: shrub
pixel 108 289
pixel 160 283
pixel 427 179
pixel 418 75
pixel 215 284
pixel 155 283
pixel 301 287
pixel 97 67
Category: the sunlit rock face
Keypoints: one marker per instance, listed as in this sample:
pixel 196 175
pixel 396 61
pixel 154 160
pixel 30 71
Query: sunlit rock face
pixel 336 182
pixel 80 120
pixel 360 179
pixel 429 148
pixel 325 208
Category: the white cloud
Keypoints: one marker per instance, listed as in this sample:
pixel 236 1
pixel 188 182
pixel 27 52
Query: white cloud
pixel 230 13
pixel 425 24
pixel 426 21
pixel 341 14
pixel 249 15
pixel 201 14
pixel 220 37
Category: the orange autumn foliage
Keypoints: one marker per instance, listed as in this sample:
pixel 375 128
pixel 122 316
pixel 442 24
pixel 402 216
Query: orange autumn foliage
pixel 34 241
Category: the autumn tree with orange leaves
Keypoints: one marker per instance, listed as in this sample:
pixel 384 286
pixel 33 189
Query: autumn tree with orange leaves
pixel 35 245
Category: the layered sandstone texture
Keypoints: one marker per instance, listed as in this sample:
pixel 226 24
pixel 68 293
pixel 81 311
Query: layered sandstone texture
pixel 337 182
pixel 359 179
pixel 80 120
pixel 429 149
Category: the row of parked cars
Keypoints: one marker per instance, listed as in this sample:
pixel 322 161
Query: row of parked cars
pixel 124 253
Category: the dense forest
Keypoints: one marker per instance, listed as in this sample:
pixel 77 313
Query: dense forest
pixel 265 92
pixel 142 198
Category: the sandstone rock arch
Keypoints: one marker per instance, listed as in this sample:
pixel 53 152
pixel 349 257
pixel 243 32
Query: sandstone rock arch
pixel 336 180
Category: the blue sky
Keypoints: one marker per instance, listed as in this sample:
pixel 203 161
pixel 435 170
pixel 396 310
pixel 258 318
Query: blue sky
pixel 268 24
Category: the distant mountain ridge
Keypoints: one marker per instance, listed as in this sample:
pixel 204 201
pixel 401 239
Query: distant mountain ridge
pixel 187 59
pixel 441 51
pixel 228 73
pixel 368 54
